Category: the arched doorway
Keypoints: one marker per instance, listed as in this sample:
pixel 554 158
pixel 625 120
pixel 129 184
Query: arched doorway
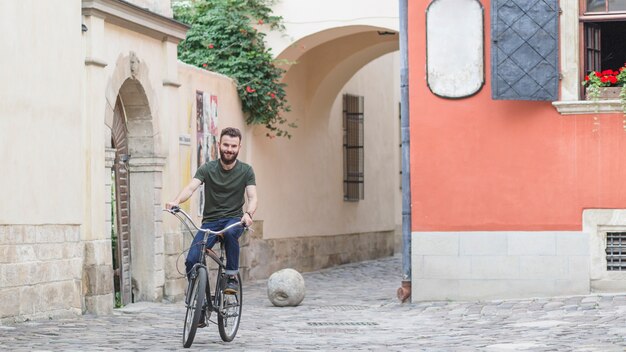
pixel 136 172
pixel 120 208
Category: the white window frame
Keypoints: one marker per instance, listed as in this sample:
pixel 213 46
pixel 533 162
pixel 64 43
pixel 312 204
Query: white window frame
pixel 570 102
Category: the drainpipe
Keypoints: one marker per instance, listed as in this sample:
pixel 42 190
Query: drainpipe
pixel 404 292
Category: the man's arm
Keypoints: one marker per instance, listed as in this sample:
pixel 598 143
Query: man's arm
pixel 185 193
pixel 252 202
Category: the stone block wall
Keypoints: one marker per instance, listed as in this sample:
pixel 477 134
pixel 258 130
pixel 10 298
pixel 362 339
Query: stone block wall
pixel 40 271
pixel 260 257
pixel 498 264
pixel 175 282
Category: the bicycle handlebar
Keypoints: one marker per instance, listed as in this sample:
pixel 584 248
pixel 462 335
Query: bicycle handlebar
pixel 176 209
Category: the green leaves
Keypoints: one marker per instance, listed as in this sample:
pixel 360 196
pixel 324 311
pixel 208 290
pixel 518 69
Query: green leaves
pixel 223 39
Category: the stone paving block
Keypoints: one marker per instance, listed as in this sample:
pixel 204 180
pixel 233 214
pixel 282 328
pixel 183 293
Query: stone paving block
pixel 434 289
pixel 7 254
pixel 26 253
pixel 543 267
pixel 49 234
pixel 495 267
pixel 531 243
pixel 444 267
pixel 9 298
pixel 49 251
pixel 435 243
pixel 15 235
pixel 572 244
pixel 72 233
pixel 482 243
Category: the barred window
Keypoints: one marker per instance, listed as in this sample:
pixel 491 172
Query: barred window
pixel 353 147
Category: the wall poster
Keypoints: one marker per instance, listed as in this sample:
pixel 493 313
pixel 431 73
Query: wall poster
pixel 206 134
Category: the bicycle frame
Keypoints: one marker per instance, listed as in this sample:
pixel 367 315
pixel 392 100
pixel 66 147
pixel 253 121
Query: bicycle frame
pixel 213 301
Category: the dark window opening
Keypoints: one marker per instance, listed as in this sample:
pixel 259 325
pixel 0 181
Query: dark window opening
pixel 604 45
pixel 353 156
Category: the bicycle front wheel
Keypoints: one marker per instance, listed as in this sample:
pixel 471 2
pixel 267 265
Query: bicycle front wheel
pixel 194 308
pixel 230 313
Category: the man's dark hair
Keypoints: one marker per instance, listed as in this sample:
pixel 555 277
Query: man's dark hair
pixel 231 132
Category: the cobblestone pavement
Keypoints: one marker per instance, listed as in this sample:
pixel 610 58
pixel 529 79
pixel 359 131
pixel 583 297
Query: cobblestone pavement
pixel 348 308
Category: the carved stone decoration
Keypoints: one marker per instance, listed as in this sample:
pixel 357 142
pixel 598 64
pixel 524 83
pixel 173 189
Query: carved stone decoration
pixel 134 64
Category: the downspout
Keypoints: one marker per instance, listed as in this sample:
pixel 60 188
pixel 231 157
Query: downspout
pixel 404 292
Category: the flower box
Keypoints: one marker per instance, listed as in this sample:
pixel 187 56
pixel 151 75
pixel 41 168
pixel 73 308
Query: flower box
pixel 607 93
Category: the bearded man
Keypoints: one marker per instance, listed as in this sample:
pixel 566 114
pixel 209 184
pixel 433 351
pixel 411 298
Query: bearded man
pixel 226 181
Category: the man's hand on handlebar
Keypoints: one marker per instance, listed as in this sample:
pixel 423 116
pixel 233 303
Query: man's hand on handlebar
pixel 246 220
pixel 171 206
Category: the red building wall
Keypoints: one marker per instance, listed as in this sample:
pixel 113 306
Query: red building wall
pixel 481 164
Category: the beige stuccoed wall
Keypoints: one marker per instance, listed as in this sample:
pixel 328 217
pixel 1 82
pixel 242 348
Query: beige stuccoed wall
pixel 311 19
pixel 182 156
pixel 40 112
pixel 301 179
pixel 41 153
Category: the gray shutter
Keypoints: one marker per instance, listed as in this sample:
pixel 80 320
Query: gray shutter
pixel 524 49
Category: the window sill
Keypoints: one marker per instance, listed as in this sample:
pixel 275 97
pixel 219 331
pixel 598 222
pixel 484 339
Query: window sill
pixel 579 107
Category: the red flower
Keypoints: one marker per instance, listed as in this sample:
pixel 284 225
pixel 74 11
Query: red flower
pixel 615 73
pixel 607 72
pixel 598 74
pixel 604 79
pixel 586 78
pixel 211 46
pixel 260 21
pixel 272 95
pixel 204 65
pixel 613 79
pixel 250 89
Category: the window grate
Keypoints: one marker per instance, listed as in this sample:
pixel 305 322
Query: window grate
pixel 616 251
pixel 353 154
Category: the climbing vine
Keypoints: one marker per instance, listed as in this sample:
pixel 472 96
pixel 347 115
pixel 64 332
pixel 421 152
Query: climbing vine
pixel 224 38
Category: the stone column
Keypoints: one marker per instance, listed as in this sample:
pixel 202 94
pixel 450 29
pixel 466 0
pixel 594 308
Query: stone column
pixel 98 264
pixel 146 220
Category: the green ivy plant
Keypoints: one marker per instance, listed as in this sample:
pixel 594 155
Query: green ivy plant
pixel 223 38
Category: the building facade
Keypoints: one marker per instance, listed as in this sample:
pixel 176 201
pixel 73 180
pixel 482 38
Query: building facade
pixel 516 178
pixel 101 124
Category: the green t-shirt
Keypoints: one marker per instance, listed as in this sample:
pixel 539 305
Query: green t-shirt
pixel 224 190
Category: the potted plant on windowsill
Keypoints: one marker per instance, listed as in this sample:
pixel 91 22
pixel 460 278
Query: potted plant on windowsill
pixel 606 85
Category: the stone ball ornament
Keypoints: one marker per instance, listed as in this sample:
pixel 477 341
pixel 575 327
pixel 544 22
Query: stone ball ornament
pixel 285 288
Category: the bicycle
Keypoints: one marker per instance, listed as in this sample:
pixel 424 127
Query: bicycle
pixel 226 306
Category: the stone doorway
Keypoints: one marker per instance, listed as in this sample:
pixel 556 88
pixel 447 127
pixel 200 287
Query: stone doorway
pixel 138 254
pixel 120 208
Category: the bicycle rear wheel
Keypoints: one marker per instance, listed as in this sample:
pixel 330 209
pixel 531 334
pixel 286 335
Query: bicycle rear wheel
pixel 230 313
pixel 194 308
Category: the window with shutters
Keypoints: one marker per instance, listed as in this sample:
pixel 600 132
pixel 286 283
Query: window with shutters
pixel 603 24
pixel 353 156
pixel 591 33
pixel 524 49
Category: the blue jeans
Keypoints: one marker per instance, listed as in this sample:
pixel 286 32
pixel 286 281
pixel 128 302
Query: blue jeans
pixel 231 244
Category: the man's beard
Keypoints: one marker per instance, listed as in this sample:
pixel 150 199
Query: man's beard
pixel 225 160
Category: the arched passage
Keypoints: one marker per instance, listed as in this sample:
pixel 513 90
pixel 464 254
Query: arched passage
pixel 305 173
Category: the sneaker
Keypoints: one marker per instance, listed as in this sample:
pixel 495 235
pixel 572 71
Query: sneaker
pixel 202 322
pixel 232 286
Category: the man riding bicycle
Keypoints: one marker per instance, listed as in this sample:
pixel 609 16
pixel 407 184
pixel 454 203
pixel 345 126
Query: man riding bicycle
pixel 226 180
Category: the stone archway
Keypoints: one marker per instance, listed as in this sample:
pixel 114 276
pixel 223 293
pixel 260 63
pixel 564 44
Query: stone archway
pixel 129 83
